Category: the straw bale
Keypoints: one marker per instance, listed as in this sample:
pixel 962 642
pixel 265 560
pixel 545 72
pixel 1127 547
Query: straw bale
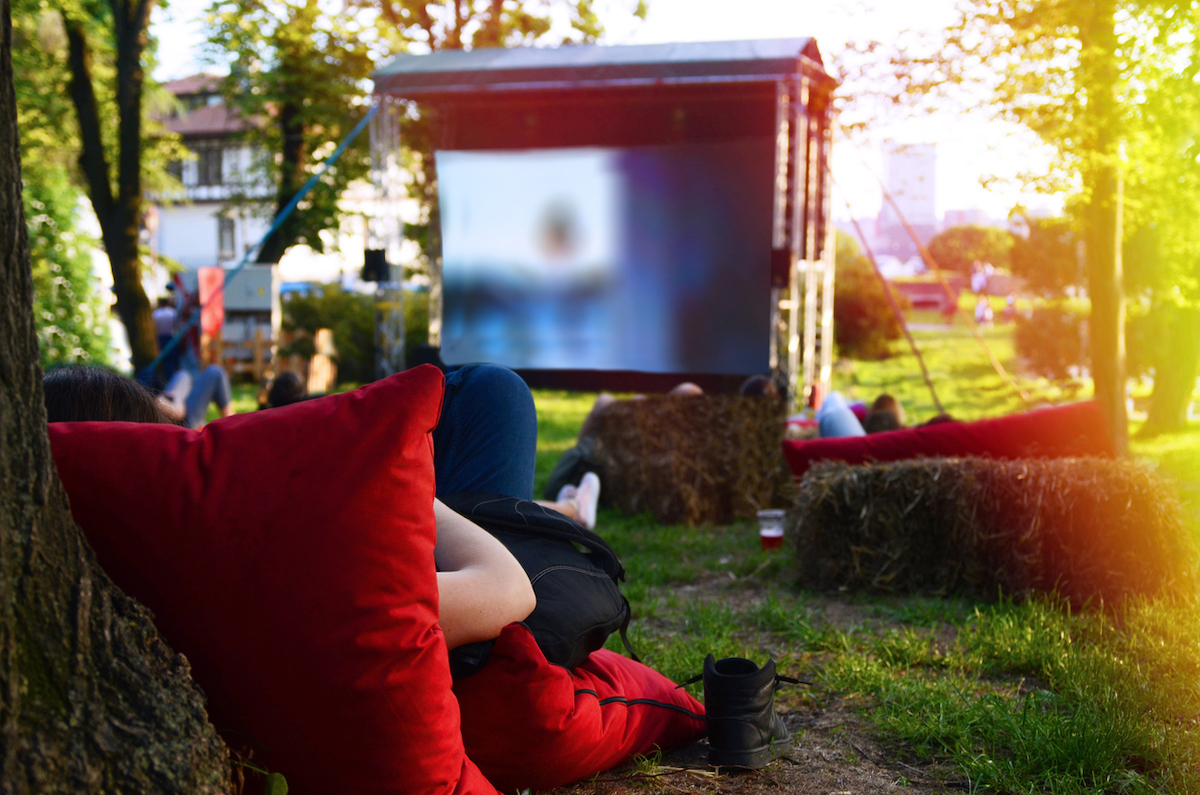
pixel 1094 530
pixel 694 459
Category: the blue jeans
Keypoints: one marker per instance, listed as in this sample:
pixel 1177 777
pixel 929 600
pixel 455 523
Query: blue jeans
pixel 210 385
pixel 835 418
pixel 486 439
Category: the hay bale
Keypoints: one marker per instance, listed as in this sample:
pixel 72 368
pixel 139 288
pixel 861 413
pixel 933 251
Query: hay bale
pixel 1094 530
pixel 694 459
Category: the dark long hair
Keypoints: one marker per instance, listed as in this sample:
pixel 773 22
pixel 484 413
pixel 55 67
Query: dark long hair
pixel 82 392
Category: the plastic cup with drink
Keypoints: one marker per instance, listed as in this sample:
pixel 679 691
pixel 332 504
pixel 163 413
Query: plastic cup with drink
pixel 770 528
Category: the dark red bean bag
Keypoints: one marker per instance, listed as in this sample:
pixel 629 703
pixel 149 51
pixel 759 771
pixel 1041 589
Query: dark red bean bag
pixel 1073 429
pixel 530 724
pixel 289 555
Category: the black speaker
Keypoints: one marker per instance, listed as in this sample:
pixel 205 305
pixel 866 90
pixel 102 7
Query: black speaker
pixel 375 266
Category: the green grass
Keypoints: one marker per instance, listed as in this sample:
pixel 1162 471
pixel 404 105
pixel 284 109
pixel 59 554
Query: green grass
pixel 1014 698
pixel 963 377
pixel 1177 456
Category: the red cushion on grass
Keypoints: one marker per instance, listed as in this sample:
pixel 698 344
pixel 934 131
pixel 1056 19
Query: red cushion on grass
pixel 530 724
pixel 1073 429
pixel 289 554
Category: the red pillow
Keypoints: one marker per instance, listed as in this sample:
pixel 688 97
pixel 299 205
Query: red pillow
pixel 289 554
pixel 530 724
pixel 1073 429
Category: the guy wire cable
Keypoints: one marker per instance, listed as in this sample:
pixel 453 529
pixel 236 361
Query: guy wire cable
pixel 931 263
pixel 147 372
pixel 887 291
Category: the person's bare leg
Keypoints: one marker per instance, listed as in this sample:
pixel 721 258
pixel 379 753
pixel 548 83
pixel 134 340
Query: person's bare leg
pixel 578 502
pixel 567 508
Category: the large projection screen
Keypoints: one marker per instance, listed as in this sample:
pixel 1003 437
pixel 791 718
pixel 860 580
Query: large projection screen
pixel 652 259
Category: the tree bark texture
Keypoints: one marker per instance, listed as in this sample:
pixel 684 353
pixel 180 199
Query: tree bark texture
pixel 1176 365
pixel 119 212
pixel 91 698
pixel 292 177
pixel 1102 216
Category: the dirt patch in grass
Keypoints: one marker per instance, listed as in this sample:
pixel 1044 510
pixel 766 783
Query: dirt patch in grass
pixel 834 753
pixel 835 750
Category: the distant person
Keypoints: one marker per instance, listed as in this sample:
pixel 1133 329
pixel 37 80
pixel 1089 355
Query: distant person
pixel 886 415
pixel 758 386
pixel 836 419
pixel 166 323
pixel 983 312
pixel 978 279
pixel 938 419
pixel 186 396
pixel 286 389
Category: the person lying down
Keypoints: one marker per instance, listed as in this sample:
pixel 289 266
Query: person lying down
pixel 485 441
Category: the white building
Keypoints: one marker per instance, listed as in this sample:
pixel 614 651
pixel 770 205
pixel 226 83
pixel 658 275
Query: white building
pixel 199 227
pixel 909 174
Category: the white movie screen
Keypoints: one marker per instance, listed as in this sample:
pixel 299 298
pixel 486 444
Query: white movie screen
pixel 652 259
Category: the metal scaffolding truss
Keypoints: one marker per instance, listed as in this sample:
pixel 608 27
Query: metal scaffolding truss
pixel 385 232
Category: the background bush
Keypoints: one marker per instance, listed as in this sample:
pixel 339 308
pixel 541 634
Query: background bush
pixel 1050 340
pixel 68 312
pixel 960 247
pixel 863 322
pixel 351 317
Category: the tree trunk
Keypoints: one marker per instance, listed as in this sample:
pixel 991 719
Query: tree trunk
pixel 118 214
pixel 291 180
pixel 1176 363
pixel 91 699
pixel 1102 216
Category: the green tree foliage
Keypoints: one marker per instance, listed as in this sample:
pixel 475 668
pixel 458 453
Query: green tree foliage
pixel 300 75
pixel 1045 255
pixel 1050 341
pixel 70 319
pixel 959 247
pixel 864 325
pixel 1162 204
pixel 351 318
pixel 1106 83
pixel 301 70
pixel 107 54
pixel 68 313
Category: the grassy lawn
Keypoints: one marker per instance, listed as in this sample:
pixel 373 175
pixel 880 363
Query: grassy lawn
pixel 966 383
pixel 973 696
pixel 988 697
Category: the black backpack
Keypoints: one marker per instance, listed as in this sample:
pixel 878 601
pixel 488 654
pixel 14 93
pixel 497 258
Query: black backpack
pixel 578 602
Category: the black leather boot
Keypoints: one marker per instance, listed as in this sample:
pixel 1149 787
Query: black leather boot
pixel 739 700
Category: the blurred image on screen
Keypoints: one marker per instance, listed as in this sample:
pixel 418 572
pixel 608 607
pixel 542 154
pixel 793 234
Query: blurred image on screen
pixel 653 259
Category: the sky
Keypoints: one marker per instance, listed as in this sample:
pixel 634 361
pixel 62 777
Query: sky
pixel 968 148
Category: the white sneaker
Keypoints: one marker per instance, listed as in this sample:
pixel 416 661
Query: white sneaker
pixel 587 497
pixel 566 493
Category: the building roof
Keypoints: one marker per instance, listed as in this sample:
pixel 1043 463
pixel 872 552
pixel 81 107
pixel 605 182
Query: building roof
pixel 579 66
pixel 202 83
pixel 206 120
pixel 202 117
